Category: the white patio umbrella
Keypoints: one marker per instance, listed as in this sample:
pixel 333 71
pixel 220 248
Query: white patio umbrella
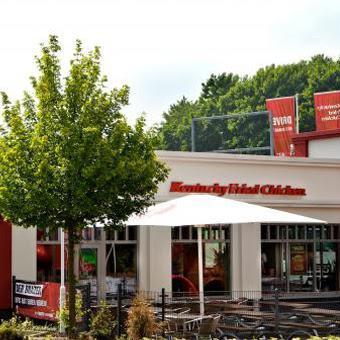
pixel 198 210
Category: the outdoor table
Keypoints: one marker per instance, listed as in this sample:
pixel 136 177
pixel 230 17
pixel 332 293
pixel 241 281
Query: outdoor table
pixel 319 311
pixel 185 319
pixel 286 304
pixel 254 314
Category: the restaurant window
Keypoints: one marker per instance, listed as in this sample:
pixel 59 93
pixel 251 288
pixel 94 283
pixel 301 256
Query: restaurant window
pixel 121 266
pixel 48 255
pixel 120 249
pixel 302 258
pixel 216 259
pixel 121 260
pixel 48 262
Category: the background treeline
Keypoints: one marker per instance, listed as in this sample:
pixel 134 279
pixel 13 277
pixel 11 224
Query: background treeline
pixel 229 94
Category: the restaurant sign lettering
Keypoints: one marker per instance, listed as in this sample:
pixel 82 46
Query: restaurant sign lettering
pixel 238 189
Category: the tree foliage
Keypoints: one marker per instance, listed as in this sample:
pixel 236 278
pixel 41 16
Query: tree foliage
pixel 230 94
pixel 68 157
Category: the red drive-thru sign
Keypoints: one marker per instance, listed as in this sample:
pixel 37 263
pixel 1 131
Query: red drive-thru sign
pixel 39 300
pixel 283 115
pixel 327 110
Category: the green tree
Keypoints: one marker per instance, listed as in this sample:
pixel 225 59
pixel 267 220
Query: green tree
pixel 68 158
pixel 229 94
pixel 175 133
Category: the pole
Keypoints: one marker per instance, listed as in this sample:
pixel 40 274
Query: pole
pixel 297 127
pixel 200 269
pixel 119 309
pixel 163 304
pixel 62 291
pixel 193 146
pixel 276 295
pixel 14 279
pixel 271 133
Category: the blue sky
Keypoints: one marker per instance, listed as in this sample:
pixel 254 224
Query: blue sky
pixel 164 49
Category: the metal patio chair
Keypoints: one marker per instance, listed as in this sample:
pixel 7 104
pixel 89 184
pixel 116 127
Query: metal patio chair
pixel 204 327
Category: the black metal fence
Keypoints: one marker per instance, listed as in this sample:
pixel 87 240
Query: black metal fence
pixel 238 315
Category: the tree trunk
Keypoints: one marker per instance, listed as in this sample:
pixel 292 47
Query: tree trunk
pixel 71 285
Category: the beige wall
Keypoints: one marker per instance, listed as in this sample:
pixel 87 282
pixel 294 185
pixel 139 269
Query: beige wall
pixel 24 253
pixel 324 148
pixel 246 257
pixel 154 258
pixel 320 178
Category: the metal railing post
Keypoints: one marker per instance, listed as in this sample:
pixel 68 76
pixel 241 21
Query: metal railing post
pixel 163 304
pixel 276 294
pixel 13 293
pixel 119 309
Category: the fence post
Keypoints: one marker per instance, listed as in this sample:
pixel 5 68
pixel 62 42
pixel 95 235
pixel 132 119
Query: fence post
pixel 163 304
pixel 14 279
pixel 119 309
pixel 88 305
pixel 276 294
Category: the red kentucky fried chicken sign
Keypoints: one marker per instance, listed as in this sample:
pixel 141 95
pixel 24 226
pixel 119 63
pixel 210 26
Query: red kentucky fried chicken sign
pixel 39 300
pixel 327 110
pixel 283 115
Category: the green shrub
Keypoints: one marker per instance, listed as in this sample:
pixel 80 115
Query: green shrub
pixel 63 315
pixel 16 328
pixel 9 332
pixel 102 322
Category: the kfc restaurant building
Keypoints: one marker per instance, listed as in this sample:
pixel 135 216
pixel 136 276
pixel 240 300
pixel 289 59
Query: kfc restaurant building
pixel 243 257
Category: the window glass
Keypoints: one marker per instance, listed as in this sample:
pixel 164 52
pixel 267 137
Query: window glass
pixel 87 234
pixel 110 234
pixel 48 262
pixel 301 267
pixel 97 233
pixel 272 267
pixel 132 233
pixel 215 232
pixel 185 233
pixel 327 232
pixel 273 232
pixel 318 232
pixel 206 233
pixel 185 267
pixel 225 232
pixel 121 234
pixel 283 232
pixel 310 235
pixel 291 232
pixel 121 266
pixel 301 232
pixel 175 233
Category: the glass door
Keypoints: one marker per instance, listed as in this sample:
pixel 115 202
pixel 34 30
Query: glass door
pixel 273 266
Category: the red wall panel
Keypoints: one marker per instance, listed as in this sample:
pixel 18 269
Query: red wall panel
pixel 5 264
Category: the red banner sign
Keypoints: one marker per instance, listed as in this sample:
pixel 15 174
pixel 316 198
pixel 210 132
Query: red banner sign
pixel 38 300
pixel 238 189
pixel 283 115
pixel 327 110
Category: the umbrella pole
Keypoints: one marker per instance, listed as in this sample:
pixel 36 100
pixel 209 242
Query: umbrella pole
pixel 200 269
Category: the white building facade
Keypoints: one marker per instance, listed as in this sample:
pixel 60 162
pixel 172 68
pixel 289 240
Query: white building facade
pixel 249 257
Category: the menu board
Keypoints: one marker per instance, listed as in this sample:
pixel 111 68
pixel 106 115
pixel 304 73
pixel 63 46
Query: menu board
pixel 298 259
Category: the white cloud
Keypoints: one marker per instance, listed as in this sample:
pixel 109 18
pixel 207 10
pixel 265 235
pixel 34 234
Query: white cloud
pixel 165 48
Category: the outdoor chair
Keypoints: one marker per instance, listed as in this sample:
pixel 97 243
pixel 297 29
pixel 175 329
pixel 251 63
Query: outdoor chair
pixel 205 327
